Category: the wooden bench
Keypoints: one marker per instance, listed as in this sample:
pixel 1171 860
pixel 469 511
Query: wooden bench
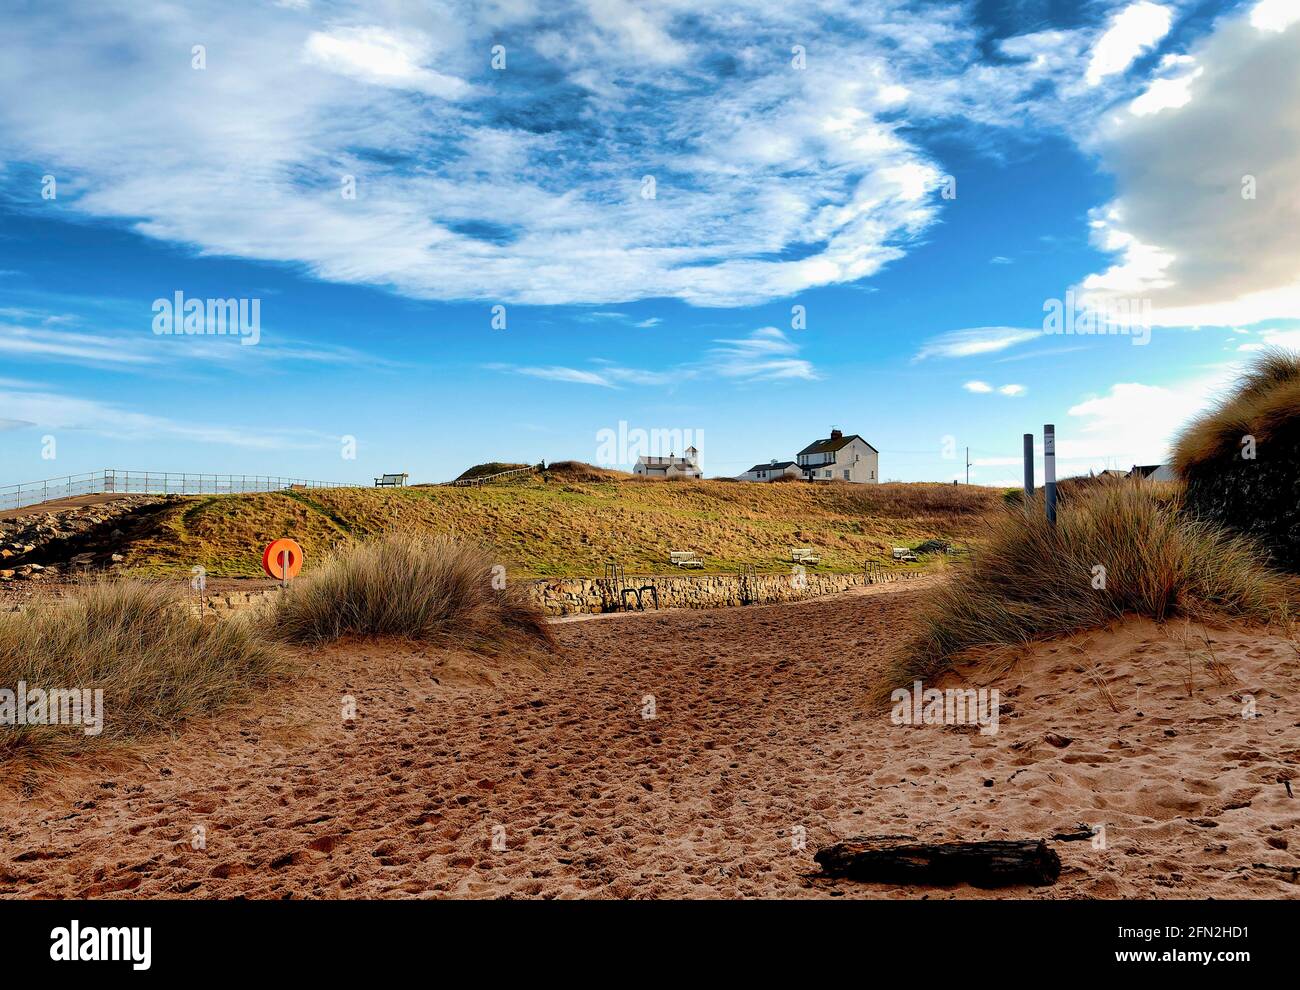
pixel 805 555
pixel 685 558
pixel 391 480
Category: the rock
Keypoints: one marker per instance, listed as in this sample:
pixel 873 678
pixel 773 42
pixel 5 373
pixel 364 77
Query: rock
pixel 6 575
pixel 1057 740
pixel 117 558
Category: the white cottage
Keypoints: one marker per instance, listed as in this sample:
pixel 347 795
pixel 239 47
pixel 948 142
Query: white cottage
pixel 840 458
pixel 771 472
pixel 687 466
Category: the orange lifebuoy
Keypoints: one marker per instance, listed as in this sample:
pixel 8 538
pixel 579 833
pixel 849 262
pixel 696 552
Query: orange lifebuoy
pixel 272 564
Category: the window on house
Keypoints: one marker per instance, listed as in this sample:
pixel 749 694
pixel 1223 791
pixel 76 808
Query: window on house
pixel 828 474
pixel 846 474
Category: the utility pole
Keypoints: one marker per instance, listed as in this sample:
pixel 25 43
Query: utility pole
pixel 968 465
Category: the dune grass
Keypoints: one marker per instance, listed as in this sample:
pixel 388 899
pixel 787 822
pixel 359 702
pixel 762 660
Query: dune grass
pixel 157 663
pixel 416 587
pixel 1031 581
pixel 1265 404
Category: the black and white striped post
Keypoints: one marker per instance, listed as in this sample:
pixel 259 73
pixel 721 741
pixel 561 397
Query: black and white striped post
pixel 1029 467
pixel 1049 472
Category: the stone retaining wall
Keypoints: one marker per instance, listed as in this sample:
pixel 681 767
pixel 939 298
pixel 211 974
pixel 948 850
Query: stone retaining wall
pixel 573 596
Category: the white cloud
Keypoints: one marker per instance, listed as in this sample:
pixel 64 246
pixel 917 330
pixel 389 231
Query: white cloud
pixel 1275 15
pixel 521 185
pixel 1134 423
pixel 984 388
pixel 1165 94
pixel 1184 230
pixel 1287 339
pixel 383 58
pixel 975 341
pixel 1136 29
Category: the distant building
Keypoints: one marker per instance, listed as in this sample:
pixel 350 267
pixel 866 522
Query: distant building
pixel 1153 472
pixel 840 458
pixel 687 466
pixel 772 472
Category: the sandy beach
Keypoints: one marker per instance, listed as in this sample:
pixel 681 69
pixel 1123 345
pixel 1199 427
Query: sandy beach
pixel 762 748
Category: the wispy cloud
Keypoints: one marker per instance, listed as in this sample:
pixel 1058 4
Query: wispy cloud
pixel 45 343
pixel 766 354
pixel 973 342
pixel 53 410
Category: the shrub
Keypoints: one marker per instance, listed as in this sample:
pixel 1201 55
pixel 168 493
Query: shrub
pixel 412 586
pixel 157 663
pixel 1032 580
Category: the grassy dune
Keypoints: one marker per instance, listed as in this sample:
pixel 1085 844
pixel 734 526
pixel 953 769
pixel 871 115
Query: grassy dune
pixel 563 524
pixel 1118 549
pixel 156 662
pixel 415 587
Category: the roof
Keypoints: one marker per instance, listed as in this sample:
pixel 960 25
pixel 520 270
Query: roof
pixel 1156 472
pixel 828 445
pixel 771 466
pixel 664 461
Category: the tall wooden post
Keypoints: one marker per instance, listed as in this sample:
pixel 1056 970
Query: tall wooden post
pixel 1049 471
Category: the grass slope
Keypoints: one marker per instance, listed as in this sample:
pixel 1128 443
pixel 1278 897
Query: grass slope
pixel 557 525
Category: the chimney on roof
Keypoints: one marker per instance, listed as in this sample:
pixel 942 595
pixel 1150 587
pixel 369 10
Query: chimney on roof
pixel 836 435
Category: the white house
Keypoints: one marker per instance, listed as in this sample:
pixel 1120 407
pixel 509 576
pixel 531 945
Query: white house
pixel 840 458
pixel 771 472
pixel 671 466
pixel 1153 472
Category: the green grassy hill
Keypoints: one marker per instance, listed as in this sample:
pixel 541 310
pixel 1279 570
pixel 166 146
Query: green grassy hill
pixel 563 524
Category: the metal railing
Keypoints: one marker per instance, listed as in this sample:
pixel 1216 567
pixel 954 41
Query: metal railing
pixel 112 481
pixel 483 479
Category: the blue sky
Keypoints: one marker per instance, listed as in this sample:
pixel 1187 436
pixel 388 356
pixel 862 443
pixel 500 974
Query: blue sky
pixel 646 192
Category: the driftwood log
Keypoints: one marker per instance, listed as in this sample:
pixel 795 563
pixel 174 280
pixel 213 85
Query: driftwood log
pixel 900 859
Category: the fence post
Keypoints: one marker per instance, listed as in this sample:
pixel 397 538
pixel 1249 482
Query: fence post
pixel 1029 467
pixel 1049 471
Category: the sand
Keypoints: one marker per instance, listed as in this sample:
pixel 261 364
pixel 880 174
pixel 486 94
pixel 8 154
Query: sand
pixel 762 748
